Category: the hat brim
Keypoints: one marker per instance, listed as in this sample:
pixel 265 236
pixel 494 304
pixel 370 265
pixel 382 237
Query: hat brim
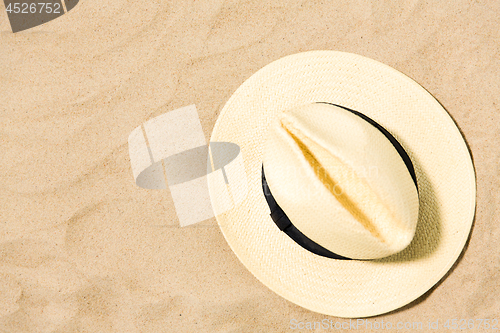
pixel 443 165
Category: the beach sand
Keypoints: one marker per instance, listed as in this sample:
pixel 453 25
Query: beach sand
pixel 83 249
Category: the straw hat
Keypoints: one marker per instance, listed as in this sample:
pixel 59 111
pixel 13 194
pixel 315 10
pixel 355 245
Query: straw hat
pixel 361 189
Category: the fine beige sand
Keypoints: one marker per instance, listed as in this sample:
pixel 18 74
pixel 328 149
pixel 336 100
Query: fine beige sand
pixel 83 249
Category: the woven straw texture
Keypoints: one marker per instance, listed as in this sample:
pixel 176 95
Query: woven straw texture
pixel 326 190
pixel 442 163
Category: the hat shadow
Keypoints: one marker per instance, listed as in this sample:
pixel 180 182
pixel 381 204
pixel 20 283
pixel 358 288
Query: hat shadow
pixel 428 231
pixel 432 236
pixel 466 246
pixel 431 290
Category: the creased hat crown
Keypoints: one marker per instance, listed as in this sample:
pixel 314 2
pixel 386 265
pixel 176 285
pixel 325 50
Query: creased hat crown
pixel 341 181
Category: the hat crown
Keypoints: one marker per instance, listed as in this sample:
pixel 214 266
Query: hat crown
pixel 341 181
